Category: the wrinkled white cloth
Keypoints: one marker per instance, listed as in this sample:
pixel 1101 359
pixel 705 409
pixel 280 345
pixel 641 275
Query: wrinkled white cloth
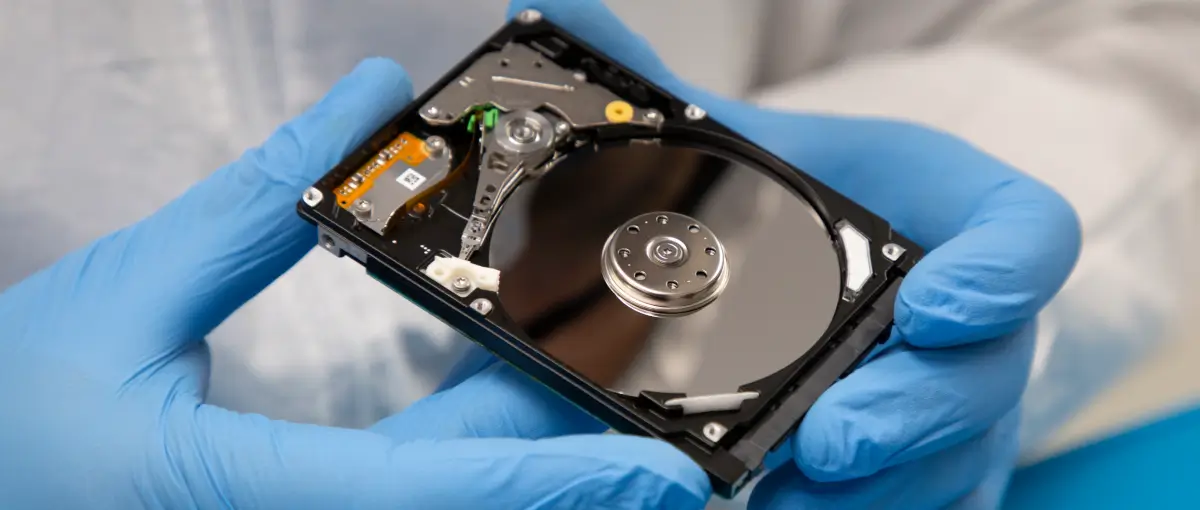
pixel 109 108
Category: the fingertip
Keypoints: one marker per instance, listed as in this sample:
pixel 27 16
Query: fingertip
pixel 302 150
pixel 386 74
pixel 374 90
pixel 826 449
pixel 663 475
pixel 997 274
pixel 1067 223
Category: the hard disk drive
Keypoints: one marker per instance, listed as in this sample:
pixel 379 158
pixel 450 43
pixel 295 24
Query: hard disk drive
pixel 617 244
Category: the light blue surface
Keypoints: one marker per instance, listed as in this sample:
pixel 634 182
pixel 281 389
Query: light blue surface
pixel 1154 466
pixel 102 375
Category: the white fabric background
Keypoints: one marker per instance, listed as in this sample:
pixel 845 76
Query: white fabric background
pixel 110 108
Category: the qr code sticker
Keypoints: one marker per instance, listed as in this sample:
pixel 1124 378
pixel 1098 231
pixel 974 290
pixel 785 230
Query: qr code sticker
pixel 410 179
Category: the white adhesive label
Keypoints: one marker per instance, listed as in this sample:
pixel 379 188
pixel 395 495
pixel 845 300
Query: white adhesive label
pixel 410 179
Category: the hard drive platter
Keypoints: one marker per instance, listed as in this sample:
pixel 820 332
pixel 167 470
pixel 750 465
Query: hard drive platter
pixel 652 266
pixel 782 273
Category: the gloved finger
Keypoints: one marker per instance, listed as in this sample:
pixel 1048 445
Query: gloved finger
pixel 909 403
pixel 931 482
pixel 474 361
pixel 203 255
pixel 1015 240
pixel 497 402
pixel 230 460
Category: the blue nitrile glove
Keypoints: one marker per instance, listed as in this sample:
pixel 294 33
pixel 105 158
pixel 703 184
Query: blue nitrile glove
pixel 929 422
pixel 103 372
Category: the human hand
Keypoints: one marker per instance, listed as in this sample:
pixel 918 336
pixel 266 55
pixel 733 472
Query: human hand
pixel 930 421
pixel 103 371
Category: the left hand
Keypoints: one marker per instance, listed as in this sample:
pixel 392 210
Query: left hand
pixel 103 371
pixel 930 421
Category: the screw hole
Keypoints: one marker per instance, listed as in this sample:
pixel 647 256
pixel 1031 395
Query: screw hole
pixel 490 188
pixel 710 250
pixel 623 252
pixel 702 274
pixel 504 63
pixel 662 220
pixel 672 285
pixel 537 64
pixel 639 276
pixel 633 229
pixel 694 229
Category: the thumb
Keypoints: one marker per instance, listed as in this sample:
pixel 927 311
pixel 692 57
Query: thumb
pixel 499 401
pixel 218 458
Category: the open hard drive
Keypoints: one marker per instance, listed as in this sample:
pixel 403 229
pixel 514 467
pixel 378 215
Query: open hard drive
pixel 652 266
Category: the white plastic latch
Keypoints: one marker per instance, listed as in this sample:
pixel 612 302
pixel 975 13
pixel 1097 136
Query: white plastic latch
pixel 461 276
pixel 711 403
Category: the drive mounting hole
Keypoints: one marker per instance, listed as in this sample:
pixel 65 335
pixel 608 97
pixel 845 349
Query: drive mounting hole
pixel 710 251
pixel 702 274
pixel 672 285
pixel 662 220
pixel 695 229
pixel 639 276
pixel 633 229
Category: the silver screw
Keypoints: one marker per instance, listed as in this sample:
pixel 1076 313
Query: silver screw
pixel 667 252
pixel 653 116
pixel 363 205
pixel 436 146
pixel 714 431
pixel 432 111
pixel 481 305
pixel 693 112
pixel 312 197
pixel 521 131
pixel 461 284
pixel 893 251
pixel 529 16
pixel 562 128
pixel 579 76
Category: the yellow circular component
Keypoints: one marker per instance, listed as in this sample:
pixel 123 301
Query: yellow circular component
pixel 619 111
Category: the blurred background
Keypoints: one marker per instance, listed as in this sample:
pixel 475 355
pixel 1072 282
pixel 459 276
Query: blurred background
pixel 113 107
